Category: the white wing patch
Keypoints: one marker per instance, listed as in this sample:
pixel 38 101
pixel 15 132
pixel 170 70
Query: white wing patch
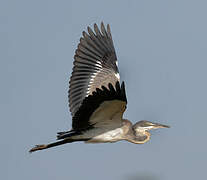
pixel 89 92
pixel 117 63
pixel 118 76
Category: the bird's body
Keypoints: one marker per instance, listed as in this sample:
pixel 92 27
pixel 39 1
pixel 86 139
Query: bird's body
pixel 103 135
pixel 97 101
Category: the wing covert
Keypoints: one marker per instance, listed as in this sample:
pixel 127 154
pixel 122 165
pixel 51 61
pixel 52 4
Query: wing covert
pixel 100 108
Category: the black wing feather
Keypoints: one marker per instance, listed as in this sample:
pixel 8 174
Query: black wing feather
pixel 92 102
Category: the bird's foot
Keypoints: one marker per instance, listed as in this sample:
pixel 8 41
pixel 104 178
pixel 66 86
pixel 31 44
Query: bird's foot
pixel 38 147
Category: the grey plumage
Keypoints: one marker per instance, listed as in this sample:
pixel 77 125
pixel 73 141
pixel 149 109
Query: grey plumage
pixel 97 99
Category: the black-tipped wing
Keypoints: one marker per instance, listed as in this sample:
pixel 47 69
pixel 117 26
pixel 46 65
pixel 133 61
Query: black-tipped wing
pixel 95 66
pixel 96 98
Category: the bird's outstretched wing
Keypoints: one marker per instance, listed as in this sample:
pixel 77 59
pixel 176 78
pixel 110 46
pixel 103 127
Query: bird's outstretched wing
pixel 95 93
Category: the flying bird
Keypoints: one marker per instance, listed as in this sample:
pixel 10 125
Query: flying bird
pixel 97 98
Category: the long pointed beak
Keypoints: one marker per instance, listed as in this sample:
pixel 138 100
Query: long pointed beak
pixel 157 125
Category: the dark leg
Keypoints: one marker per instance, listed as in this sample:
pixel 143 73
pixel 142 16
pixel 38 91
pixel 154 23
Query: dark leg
pixel 46 146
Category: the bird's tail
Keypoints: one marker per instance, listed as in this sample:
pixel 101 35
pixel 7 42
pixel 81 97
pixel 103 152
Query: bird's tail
pixel 67 137
pixel 67 134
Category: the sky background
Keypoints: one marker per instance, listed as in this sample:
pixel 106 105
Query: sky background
pixel 162 52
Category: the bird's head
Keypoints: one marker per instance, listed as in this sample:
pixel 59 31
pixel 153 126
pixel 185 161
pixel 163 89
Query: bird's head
pixel 141 130
pixel 147 125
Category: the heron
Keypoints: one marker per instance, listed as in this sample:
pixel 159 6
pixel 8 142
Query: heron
pixel 97 98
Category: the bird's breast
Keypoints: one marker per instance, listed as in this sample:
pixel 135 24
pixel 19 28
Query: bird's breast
pixel 109 136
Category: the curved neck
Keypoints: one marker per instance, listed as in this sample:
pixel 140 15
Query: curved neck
pixel 137 137
pixel 140 137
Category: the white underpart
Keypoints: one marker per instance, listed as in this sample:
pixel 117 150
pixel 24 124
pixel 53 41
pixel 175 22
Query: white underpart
pixel 107 136
pixel 110 136
pixel 107 123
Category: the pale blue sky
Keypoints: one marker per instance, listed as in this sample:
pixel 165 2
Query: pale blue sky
pixel 162 52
